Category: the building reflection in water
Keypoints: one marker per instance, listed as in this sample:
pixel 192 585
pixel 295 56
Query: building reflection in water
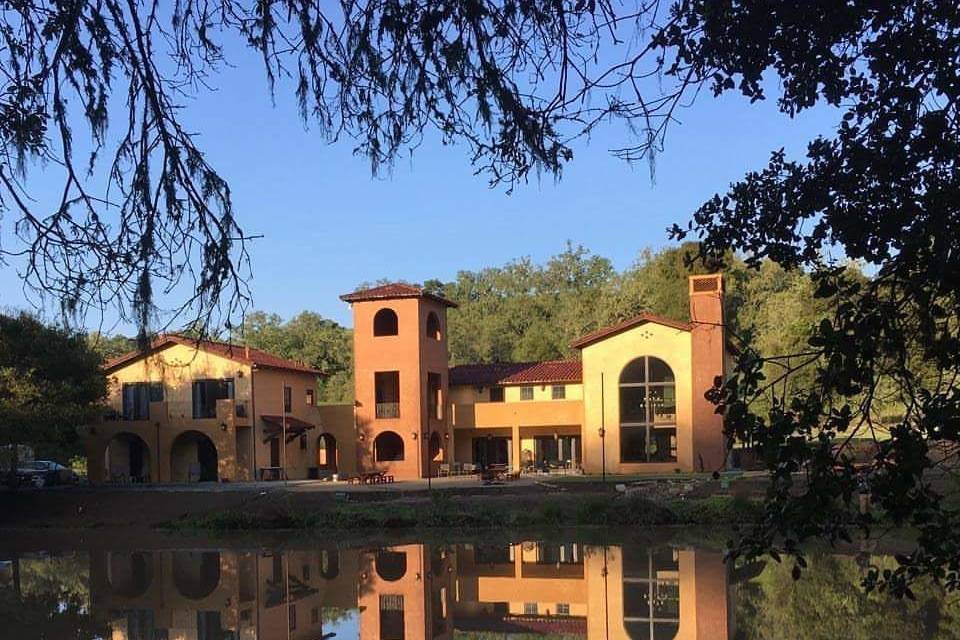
pixel 414 592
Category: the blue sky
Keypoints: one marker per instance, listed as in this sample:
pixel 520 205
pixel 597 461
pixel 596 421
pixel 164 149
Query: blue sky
pixel 329 225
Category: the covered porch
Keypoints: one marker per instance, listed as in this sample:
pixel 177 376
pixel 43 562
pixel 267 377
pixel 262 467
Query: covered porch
pixel 545 449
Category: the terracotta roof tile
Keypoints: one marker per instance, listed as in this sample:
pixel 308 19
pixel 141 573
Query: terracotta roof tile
pixel 235 352
pixel 507 373
pixel 606 332
pixel 394 291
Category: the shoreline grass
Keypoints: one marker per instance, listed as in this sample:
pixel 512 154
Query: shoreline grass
pixel 443 512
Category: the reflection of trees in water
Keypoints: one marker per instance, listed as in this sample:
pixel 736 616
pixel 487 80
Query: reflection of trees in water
pixel 53 600
pixel 829 602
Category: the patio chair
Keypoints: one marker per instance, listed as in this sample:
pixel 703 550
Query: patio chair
pixel 443 469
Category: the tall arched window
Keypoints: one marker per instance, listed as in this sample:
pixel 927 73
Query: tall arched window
pixel 388 447
pixel 385 323
pixel 433 326
pixel 648 412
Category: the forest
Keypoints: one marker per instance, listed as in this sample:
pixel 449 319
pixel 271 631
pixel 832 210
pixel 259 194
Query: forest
pixel 524 311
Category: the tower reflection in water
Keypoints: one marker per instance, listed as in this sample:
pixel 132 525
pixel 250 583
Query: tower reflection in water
pixel 414 592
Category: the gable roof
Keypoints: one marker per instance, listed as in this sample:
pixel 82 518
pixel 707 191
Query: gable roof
pixel 394 291
pixel 630 323
pixel 236 352
pixel 508 373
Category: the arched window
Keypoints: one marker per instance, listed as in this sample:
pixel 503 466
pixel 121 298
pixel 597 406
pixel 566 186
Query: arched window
pixel 388 447
pixel 433 326
pixel 651 593
pixel 648 412
pixel 385 323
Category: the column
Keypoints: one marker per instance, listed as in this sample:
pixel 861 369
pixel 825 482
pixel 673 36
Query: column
pixel 515 448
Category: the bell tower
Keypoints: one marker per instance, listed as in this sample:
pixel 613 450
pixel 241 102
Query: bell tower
pixel 401 379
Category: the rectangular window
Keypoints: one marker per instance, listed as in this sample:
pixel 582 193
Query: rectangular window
pixel 287 399
pixel 309 399
pixel 293 617
pixel 526 393
pixel 434 402
pixel 306 573
pixel 530 608
pixel 563 609
pixel 496 394
pixel 205 396
pixel 559 392
pixel 314 615
pixel 387 392
pixel 137 396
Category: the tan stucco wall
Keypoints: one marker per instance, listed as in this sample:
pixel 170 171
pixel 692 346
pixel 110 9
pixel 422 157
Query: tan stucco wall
pixel 467 394
pixel 607 359
pixel 177 366
pixel 239 441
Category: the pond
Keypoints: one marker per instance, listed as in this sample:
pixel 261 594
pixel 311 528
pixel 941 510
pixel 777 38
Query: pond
pixel 648 585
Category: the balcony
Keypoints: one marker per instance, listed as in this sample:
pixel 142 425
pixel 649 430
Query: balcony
pixel 545 413
pixel 388 410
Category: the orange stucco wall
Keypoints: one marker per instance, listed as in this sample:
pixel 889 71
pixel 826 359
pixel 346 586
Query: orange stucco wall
pixel 414 355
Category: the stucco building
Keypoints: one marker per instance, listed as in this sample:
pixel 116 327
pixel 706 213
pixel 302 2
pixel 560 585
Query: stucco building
pixel 415 592
pixel 632 403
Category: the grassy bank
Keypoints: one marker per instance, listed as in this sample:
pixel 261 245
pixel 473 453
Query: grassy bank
pixel 445 512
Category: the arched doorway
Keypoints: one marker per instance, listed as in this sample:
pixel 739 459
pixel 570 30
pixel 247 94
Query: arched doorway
pixel 196 574
pixel 388 447
pixel 127 459
pixel 193 458
pixel 327 452
pixel 129 574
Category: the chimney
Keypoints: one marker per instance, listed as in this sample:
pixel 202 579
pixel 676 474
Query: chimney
pixel 708 362
pixel 246 351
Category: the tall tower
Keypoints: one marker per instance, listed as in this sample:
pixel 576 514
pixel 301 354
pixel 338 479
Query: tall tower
pixel 401 378
pixel 708 362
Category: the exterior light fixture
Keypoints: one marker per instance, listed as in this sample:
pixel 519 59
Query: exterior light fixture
pixel 223 426
pixel 413 435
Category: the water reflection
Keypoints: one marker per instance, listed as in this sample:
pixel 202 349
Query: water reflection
pixel 465 591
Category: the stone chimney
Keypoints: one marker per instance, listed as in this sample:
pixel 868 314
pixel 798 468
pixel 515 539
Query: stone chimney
pixel 708 362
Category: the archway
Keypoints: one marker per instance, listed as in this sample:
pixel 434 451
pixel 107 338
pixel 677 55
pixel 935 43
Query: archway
pixel 327 452
pixel 127 459
pixel 433 326
pixel 388 447
pixel 193 458
pixel 435 451
pixel 391 565
pixel 385 323
pixel 129 574
pixel 196 574
pixel 329 563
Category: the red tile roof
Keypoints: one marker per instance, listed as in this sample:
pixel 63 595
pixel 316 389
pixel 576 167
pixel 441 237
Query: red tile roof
pixel 507 373
pixel 394 291
pixel 235 352
pixel 606 332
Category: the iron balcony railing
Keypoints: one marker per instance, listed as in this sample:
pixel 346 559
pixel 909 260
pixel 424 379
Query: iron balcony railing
pixel 388 409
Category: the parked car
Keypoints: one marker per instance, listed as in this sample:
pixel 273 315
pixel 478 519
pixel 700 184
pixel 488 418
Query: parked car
pixel 43 473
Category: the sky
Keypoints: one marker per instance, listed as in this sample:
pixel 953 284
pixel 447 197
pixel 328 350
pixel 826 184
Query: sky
pixel 328 224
